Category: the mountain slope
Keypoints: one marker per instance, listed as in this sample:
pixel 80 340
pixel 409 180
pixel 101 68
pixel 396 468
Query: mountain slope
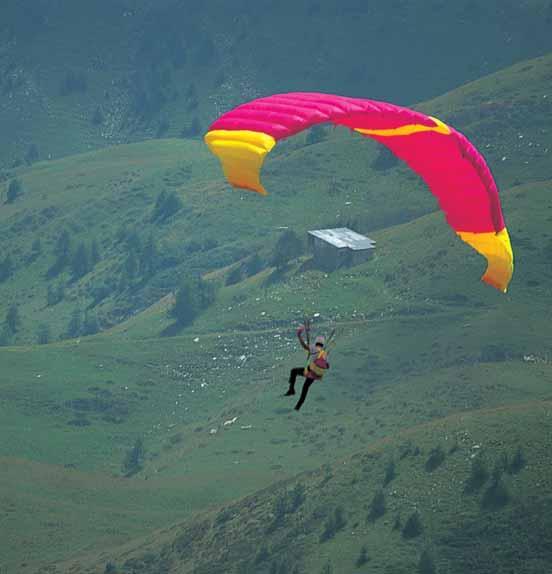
pixel 118 71
pixel 424 351
pixel 436 498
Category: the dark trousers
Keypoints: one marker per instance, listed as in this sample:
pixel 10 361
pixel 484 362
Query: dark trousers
pixel 294 373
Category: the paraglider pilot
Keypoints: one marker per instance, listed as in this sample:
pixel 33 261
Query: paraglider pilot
pixel 316 366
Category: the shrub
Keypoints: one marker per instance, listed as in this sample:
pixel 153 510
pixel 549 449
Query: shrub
pixel 166 205
pixel 91 325
pixel 97 116
pixel 413 526
pixel 74 328
pixel 280 508
pixel 73 82
pixel 193 295
pixel 262 555
pixel 13 320
pixel 162 127
pixel 55 294
pixel 5 337
pixel 518 462
pixel 15 189
pixel 390 473
pixel 43 335
pixel 36 249
pixel 478 476
pixel 377 506
pixel 426 564
pixel 385 160
pixel 296 497
pixel 397 523
pixel 253 265
pixel 134 459
pixel 333 525
pixel 496 496
pixel 316 135
pixel 95 255
pixel 62 251
pixel 31 155
pixel 288 247
pixel 362 557
pixel 435 460
pixel 80 262
pixel 494 353
pixel 235 276
pixel 194 129
pixel 6 268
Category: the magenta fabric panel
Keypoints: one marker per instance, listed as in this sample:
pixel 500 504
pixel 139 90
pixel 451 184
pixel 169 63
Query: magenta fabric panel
pixel 455 176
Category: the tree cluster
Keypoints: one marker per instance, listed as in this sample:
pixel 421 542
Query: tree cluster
pixel 251 266
pixel 80 259
pixel 12 325
pixel 72 82
pixel 288 247
pixel 7 268
pixel 193 296
pixel 193 129
pixel 287 502
pixel 316 135
pixel 134 459
pixel 15 189
pixel 496 494
pixel 377 506
pixel 335 522
pixel 78 326
pixel 436 459
pixel 166 205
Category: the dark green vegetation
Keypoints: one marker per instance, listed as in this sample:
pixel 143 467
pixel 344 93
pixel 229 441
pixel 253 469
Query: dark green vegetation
pixel 116 71
pixel 427 447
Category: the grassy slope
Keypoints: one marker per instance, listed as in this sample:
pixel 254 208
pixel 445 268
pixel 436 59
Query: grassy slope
pixel 458 531
pixel 422 346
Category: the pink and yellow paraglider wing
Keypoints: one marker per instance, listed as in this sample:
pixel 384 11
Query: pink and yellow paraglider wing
pixel 453 169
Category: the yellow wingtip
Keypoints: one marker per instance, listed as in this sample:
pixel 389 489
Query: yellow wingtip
pixel 241 154
pixel 497 249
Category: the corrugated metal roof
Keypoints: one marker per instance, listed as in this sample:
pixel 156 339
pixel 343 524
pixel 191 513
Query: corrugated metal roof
pixel 343 237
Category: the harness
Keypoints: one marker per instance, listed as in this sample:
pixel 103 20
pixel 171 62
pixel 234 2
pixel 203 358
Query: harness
pixel 317 367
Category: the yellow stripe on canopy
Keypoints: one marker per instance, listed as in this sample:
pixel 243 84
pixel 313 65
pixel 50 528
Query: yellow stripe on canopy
pixel 241 154
pixel 407 130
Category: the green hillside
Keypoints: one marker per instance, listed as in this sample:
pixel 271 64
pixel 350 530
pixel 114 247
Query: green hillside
pixel 115 454
pixel 117 71
pixel 454 494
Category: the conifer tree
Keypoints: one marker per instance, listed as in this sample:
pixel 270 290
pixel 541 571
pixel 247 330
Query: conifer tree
pixel 13 320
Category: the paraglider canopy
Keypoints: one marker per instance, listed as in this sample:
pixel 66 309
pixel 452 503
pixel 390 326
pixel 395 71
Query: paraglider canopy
pixel 455 172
